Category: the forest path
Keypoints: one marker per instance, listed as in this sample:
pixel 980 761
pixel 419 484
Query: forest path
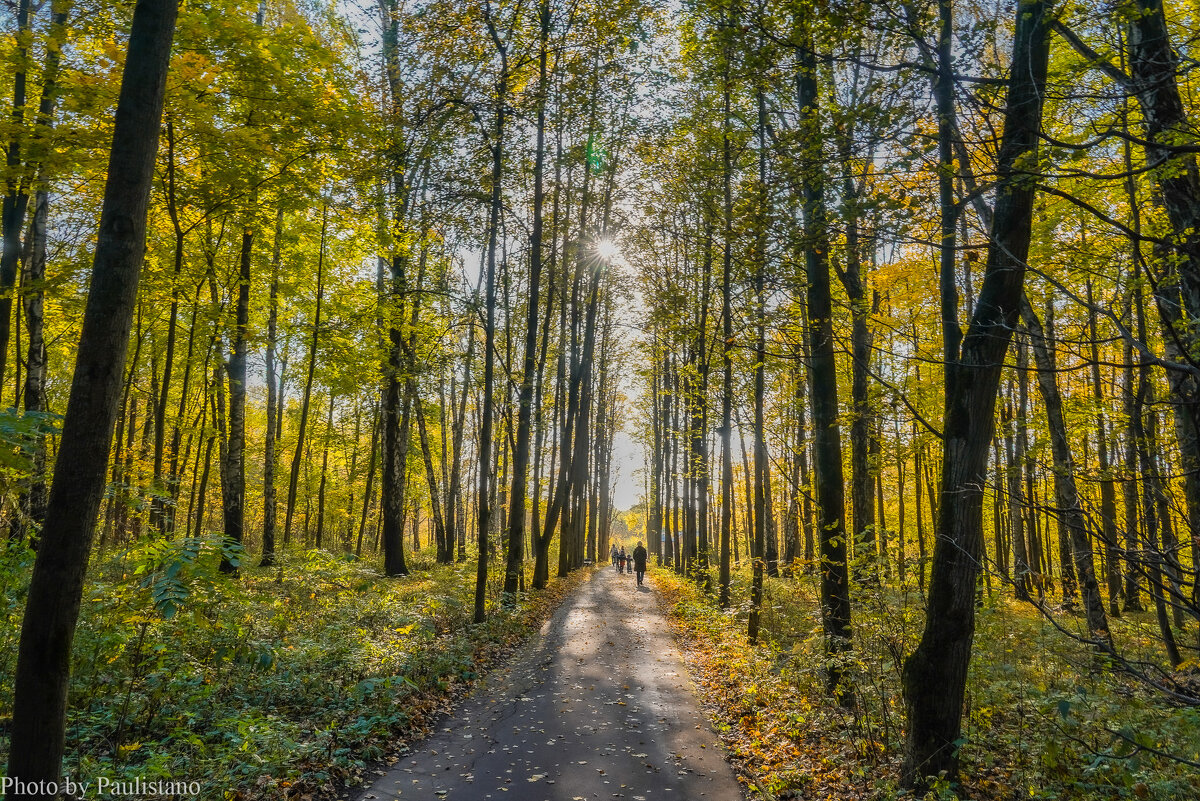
pixel 599 706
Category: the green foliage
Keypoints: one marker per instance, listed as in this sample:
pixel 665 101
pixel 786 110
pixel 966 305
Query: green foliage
pixel 252 686
pixel 172 569
pixel 1044 718
pixel 20 433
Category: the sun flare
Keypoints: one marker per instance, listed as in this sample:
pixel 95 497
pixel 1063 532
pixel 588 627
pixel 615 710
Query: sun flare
pixel 607 250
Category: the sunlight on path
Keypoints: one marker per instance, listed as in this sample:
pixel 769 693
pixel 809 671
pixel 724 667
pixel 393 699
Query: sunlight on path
pixel 599 706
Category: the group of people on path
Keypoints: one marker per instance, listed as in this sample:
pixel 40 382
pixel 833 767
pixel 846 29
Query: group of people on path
pixel 634 562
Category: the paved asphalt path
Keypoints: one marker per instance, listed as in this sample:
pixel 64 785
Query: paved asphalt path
pixel 597 707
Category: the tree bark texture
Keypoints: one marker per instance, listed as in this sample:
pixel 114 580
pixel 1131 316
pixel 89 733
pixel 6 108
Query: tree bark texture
pixel 56 587
pixel 934 676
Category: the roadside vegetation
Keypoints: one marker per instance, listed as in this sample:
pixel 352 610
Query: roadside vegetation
pixel 1045 718
pixel 292 682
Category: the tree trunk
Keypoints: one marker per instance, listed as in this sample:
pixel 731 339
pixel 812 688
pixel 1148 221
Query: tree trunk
pixel 654 507
pixel 273 405
pixel 563 404
pixel 1155 69
pixel 516 518
pixel 934 676
pixel 324 475
pixel 483 509
pixel 176 427
pixel 1070 510
pixel 37 729
pixel 16 196
pixel 1025 559
pixel 765 541
pixel 862 477
pixel 439 522
pixel 455 525
pixel 201 502
pixel 31 502
pixel 397 411
pixel 1108 498
pixel 698 423
pixel 233 474
pixel 162 398
pixel 306 398
pixel 901 533
pixel 362 523
pixel 827 442
pixel 1131 412
pixel 1151 558
pixel 922 556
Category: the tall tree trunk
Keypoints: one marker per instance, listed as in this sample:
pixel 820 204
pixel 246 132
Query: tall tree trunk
pixel 397 420
pixel 934 676
pixel 163 397
pixel 654 486
pixel 516 518
pixel 726 359
pixel 33 505
pixel 698 424
pixel 175 483
pixel 901 493
pixel 483 509
pixel 16 196
pixel 306 398
pixel 1025 539
pixel 33 496
pixel 273 405
pixel 862 477
pixel 439 522
pixel 37 728
pixel 727 334
pixel 233 474
pixel 362 522
pixel 575 432
pixel 922 556
pixel 563 394
pixel 324 475
pixel 201 501
pixel 668 400
pixel 765 541
pixel 751 551
pixel 455 525
pixel 1154 70
pixel 1132 413
pixel 802 452
pixel 827 442
pixel 1108 498
pixel 1016 494
pixel 1070 510
pixel 1151 560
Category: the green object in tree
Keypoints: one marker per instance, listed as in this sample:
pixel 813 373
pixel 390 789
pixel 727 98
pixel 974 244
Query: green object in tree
pixel 597 156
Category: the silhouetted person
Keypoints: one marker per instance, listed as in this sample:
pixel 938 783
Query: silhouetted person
pixel 639 562
pixel 613 554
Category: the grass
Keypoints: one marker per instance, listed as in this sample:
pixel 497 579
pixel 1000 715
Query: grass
pixel 1044 718
pixel 290 682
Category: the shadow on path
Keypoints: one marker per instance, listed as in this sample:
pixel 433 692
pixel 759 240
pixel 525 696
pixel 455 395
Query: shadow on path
pixel 597 707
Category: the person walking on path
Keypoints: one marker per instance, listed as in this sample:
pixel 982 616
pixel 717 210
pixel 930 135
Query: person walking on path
pixel 613 554
pixel 621 560
pixel 639 562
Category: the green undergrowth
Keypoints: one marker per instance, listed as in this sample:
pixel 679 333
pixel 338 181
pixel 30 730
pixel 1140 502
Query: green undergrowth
pixel 1045 719
pixel 289 682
